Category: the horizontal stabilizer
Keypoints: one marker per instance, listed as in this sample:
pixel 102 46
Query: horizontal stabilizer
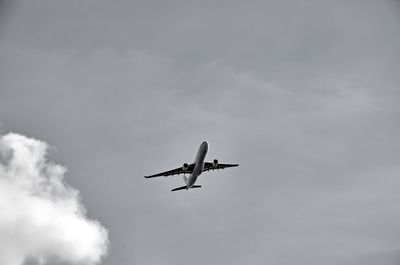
pixel 184 187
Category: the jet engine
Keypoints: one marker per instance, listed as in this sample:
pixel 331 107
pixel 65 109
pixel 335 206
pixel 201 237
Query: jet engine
pixel 215 163
pixel 185 167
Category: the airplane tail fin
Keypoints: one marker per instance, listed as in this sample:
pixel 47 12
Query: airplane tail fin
pixel 184 187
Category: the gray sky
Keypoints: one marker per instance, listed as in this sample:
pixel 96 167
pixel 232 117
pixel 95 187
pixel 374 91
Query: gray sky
pixel 304 95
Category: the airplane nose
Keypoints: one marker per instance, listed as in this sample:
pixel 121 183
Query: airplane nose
pixel 205 144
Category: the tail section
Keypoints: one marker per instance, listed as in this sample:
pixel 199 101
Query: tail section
pixel 184 187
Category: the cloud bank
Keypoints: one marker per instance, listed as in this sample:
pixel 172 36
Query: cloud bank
pixel 42 220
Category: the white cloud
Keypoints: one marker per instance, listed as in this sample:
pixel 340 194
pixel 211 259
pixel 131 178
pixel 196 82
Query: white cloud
pixel 41 217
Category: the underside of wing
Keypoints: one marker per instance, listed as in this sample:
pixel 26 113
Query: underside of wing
pixel 216 166
pixel 180 170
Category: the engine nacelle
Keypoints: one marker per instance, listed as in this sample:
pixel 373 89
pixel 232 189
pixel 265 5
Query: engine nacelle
pixel 185 167
pixel 215 163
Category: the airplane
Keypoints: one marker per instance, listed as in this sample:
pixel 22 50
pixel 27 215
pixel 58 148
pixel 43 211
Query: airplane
pixel 194 169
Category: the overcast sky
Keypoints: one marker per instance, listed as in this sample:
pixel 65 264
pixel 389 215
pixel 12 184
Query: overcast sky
pixel 304 95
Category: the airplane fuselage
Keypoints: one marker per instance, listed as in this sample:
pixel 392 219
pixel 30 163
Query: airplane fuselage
pixel 199 165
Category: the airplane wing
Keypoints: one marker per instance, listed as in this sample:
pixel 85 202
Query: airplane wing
pixel 172 172
pixel 210 166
